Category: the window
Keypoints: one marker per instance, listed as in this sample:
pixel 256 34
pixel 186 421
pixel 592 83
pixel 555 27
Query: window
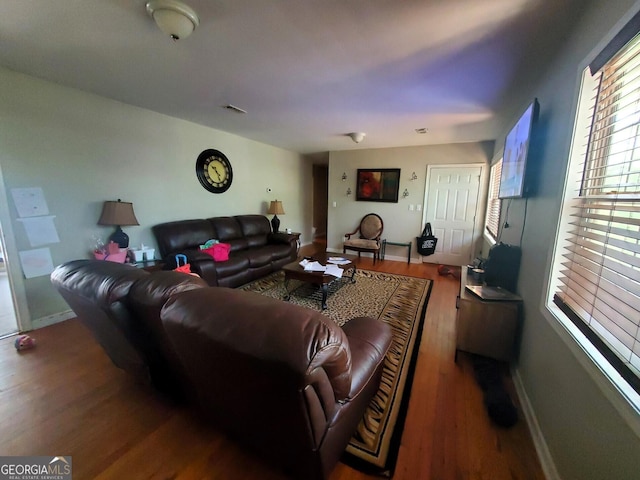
pixel 492 219
pixel 596 276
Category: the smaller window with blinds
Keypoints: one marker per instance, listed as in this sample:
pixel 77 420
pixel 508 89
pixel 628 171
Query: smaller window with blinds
pixel 492 218
pixel 596 274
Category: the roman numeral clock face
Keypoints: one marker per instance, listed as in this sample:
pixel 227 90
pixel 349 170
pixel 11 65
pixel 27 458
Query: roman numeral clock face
pixel 213 170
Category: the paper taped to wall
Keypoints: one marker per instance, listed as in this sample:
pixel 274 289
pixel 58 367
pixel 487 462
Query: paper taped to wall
pixel 40 230
pixel 36 263
pixel 30 202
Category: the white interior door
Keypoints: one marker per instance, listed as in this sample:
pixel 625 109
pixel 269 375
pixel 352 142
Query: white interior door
pixel 451 203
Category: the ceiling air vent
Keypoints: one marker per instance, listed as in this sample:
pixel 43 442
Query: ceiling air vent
pixel 422 130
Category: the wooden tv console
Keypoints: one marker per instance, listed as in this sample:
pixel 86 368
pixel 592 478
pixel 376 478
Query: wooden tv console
pixel 486 327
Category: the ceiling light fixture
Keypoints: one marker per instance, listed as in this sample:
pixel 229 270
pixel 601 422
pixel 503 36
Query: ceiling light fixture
pixel 357 136
pixel 173 17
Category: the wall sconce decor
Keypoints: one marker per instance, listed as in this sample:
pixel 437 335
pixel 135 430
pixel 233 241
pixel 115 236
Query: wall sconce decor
pixel 413 176
pixel 344 176
pixel 405 194
pixel 348 191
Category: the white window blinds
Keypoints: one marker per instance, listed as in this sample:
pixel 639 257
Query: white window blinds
pixel 492 219
pixel 600 276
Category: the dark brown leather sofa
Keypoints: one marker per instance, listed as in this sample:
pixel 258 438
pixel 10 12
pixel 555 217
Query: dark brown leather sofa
pixel 255 250
pixel 99 294
pixel 282 380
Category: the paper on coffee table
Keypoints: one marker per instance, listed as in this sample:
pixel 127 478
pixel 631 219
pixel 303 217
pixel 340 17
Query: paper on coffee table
pixel 334 270
pixel 338 260
pixel 313 266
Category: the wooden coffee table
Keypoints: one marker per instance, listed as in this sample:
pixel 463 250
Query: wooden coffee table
pixel 293 271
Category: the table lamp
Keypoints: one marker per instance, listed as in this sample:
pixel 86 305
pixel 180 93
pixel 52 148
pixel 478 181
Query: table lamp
pixel 118 213
pixel 275 209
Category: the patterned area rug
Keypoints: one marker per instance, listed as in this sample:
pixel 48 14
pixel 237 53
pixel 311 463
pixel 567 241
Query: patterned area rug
pixel 397 300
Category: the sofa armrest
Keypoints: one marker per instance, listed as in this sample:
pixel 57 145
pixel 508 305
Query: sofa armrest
pixel 369 340
pixel 201 263
pixel 282 237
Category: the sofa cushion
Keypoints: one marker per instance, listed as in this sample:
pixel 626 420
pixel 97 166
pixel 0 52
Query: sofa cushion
pixel 362 243
pixel 257 257
pixel 255 228
pixel 235 264
pixel 174 237
pixel 279 251
pixel 229 231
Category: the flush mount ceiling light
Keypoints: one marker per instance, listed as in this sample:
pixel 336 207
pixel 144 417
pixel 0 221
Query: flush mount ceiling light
pixel 173 17
pixel 357 136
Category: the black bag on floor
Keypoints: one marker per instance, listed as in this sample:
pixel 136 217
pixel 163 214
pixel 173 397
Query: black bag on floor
pixel 427 242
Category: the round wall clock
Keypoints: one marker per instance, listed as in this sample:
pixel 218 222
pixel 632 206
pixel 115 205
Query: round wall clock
pixel 213 169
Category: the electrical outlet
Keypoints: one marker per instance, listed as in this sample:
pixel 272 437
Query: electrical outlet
pixel 419 207
pixel 411 207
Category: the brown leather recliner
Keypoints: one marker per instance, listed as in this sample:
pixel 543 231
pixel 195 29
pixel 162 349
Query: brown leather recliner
pixel 281 379
pixel 99 294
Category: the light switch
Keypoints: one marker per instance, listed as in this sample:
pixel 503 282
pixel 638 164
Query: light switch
pixel 419 207
pixel 335 204
pixel 411 207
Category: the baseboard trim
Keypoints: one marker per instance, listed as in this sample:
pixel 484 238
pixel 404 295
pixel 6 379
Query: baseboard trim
pixel 52 319
pixel 544 455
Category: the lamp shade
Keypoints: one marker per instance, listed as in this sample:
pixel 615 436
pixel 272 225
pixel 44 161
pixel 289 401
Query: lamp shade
pixel 118 213
pixel 275 208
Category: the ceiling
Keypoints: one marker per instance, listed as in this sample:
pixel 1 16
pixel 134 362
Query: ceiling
pixel 306 71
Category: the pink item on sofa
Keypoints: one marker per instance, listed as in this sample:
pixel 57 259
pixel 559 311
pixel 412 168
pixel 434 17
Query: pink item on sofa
pixel 219 251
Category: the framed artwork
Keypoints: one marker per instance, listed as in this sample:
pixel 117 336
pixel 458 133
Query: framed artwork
pixel 378 184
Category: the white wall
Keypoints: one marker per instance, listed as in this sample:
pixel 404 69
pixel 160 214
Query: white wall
pixel 83 149
pixel 400 224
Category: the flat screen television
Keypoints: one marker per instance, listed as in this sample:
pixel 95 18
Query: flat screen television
pixel 516 151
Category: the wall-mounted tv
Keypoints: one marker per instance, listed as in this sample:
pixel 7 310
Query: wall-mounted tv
pixel 516 150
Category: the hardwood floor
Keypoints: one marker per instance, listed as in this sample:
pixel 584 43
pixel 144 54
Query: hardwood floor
pixel 66 398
